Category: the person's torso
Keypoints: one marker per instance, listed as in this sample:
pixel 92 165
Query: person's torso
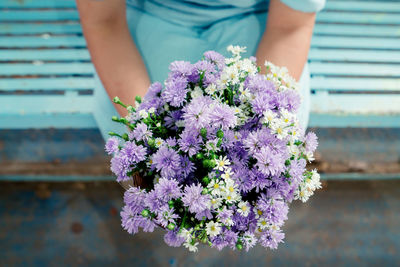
pixel 198 13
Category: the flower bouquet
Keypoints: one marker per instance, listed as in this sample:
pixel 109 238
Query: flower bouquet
pixel 215 155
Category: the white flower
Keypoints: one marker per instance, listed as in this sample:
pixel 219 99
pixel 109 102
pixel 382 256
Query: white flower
pixel 196 92
pixel 257 212
pixel 215 186
pixel 262 223
pixel 279 128
pixel 192 246
pixel 222 163
pixel 227 174
pixel 216 203
pixel 211 89
pixel 244 208
pixel 213 228
pixel 152 110
pixel 268 117
pixel 236 50
pixel 143 114
pixel 186 234
pixel 180 123
pixel 159 142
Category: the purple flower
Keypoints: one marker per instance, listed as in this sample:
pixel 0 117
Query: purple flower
pixel 155 202
pixel 166 216
pixel 223 116
pixel 172 118
pixel 274 210
pixel 131 221
pixel 288 99
pixel 175 91
pixel 311 142
pixel 167 189
pixel 194 200
pixel 172 239
pixel 226 238
pixel 171 141
pixel 181 68
pixel 187 166
pixel 190 141
pixel 296 169
pixel 268 162
pixel 197 113
pixel 259 83
pixel 134 197
pixel 208 70
pixel 166 161
pixel 263 101
pixel 141 132
pixel 112 145
pixel 215 58
pixel 128 155
pixel 271 238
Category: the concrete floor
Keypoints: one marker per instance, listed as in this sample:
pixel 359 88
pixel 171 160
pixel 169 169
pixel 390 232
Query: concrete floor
pixel 77 224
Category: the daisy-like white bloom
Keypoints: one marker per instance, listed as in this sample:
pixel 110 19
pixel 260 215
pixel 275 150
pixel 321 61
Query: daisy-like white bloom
pixel 216 203
pixel 215 187
pixel 269 117
pixel 231 74
pixel 213 228
pixel 227 174
pixel 159 142
pixel 262 223
pixel 143 114
pixel 236 50
pixel 308 186
pixel 243 208
pixel 286 116
pixel 230 192
pixel 257 212
pixel 191 246
pixel 280 129
pixel 151 110
pixel 222 163
pixel 196 92
pixel 211 89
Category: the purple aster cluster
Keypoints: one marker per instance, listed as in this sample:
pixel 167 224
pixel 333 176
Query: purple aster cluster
pixel 216 154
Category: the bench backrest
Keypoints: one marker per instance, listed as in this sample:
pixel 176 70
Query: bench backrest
pixel 46 78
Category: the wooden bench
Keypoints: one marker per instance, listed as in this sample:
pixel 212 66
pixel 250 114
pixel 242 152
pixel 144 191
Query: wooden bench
pixel 46 77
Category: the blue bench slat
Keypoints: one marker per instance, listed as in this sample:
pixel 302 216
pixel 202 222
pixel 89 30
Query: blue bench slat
pixel 382 56
pixel 358 18
pixel 37 4
pixel 355 84
pixel 55 178
pixel 39 15
pixel 357 30
pixel 376 6
pixel 73 83
pixel 38 28
pixel 355 104
pixel 354 69
pixel 40 41
pixel 354 120
pixel 48 54
pixel 46 69
pixel 42 104
pixel 355 42
pixel 43 121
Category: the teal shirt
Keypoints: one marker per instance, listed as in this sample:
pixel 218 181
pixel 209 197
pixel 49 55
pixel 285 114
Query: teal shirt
pixel 169 30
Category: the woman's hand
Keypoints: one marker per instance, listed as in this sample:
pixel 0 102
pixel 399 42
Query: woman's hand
pixel 113 52
pixel 286 40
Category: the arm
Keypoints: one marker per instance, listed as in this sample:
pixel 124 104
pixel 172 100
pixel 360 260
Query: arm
pixel 113 52
pixel 286 40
